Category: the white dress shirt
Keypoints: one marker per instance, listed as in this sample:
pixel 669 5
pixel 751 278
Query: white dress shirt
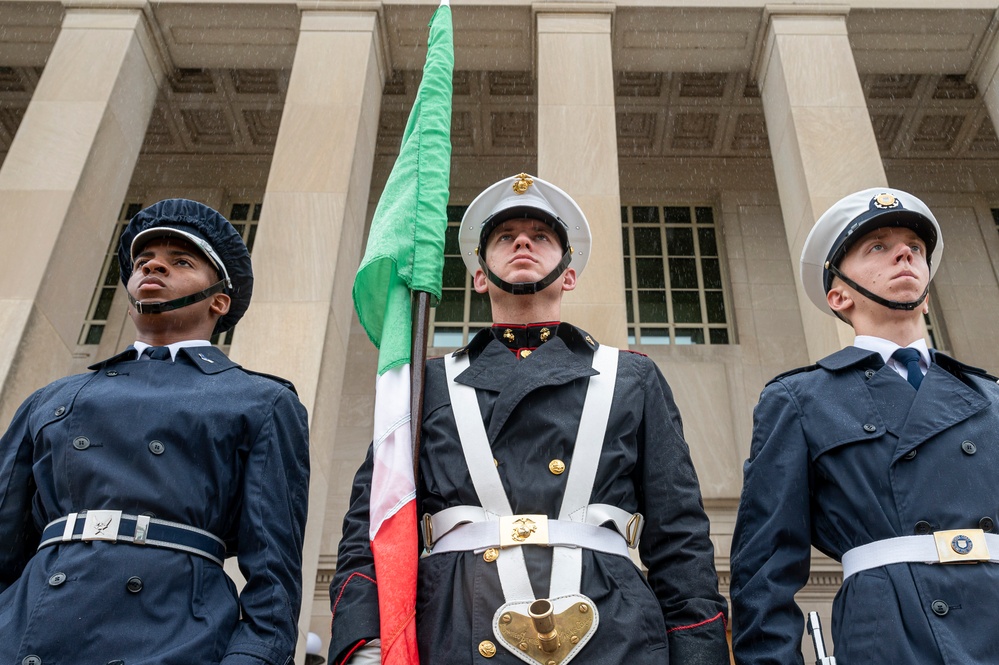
pixel 176 346
pixel 886 348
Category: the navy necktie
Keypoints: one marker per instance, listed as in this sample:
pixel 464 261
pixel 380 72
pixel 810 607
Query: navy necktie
pixel 910 358
pixel 159 353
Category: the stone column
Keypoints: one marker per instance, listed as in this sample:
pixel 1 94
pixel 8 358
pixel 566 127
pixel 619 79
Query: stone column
pixel 311 235
pixel 62 184
pixel 821 138
pixel 577 150
pixel 985 70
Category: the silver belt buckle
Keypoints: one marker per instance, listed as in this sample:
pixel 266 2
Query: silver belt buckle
pixel 523 530
pixel 101 525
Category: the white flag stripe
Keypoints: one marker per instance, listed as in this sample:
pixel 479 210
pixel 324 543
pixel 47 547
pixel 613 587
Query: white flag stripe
pixel 392 481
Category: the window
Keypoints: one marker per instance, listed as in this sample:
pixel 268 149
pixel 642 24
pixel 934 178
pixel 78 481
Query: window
pixel 673 276
pixel 461 311
pixel 244 218
pixel 100 303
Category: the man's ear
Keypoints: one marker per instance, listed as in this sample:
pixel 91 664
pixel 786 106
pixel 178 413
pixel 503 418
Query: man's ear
pixel 840 299
pixel 220 304
pixel 479 281
pixel 569 279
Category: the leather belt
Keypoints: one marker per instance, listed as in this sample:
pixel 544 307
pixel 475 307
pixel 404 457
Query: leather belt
pixel 940 547
pixel 117 527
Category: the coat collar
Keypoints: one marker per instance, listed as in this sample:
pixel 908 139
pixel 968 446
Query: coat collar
pixel 561 360
pixel 209 359
pixel 850 357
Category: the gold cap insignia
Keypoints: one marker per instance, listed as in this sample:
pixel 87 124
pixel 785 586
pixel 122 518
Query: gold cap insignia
pixel 523 183
pixel 885 201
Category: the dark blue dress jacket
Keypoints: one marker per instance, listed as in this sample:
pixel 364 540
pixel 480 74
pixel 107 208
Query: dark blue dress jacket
pixel 846 452
pixel 531 409
pixel 232 458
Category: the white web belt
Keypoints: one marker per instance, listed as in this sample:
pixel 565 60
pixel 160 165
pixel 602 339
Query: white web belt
pixel 464 528
pixel 942 547
pixel 566 557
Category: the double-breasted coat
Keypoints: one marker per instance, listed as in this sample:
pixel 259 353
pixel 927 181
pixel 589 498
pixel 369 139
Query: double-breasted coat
pixel 531 409
pixel 198 441
pixel 844 453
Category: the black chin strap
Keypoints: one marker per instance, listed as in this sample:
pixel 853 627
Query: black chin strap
pixel 884 302
pixel 176 303
pixel 528 288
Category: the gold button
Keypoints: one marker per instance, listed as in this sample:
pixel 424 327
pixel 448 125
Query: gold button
pixel 487 649
pixel 556 466
pixel 524 353
pixel 495 462
pixel 490 555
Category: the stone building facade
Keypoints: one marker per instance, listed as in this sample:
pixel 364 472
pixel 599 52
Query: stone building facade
pixel 702 139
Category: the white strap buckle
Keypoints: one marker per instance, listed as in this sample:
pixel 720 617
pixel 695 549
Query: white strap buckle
pixel 101 525
pixel 523 530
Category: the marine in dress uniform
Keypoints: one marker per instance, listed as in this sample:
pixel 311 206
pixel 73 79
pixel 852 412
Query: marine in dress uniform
pixel 534 427
pixel 123 490
pixel 882 455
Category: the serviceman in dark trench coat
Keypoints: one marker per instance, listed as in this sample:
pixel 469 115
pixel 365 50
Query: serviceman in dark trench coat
pixel 524 382
pixel 892 480
pixel 122 490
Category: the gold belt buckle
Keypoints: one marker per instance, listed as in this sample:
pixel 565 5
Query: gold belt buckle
pixel 523 530
pixel 101 525
pixel 961 546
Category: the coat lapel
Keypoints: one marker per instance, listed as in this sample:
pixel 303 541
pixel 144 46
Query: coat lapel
pixel 892 396
pixel 941 402
pixel 498 371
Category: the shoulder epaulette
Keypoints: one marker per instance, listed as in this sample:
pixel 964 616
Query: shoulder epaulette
pixel 637 353
pixel 284 382
pixel 950 364
pixel 978 371
pixel 792 372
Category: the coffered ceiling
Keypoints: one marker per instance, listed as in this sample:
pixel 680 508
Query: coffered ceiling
pixel 682 84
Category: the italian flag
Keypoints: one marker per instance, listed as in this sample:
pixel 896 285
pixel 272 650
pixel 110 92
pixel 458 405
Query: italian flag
pixel 405 254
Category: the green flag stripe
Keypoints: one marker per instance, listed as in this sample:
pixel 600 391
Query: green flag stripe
pixel 405 248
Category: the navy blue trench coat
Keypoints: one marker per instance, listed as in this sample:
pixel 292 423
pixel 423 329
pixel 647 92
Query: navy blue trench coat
pixel 844 453
pixel 199 441
pixel 531 409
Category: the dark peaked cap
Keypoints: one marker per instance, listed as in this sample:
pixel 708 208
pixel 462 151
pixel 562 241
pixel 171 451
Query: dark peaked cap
pixel 209 225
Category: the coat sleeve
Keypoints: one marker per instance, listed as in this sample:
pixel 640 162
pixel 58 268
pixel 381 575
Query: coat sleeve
pixel 17 488
pixel 675 544
pixel 271 532
pixel 771 549
pixel 354 591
